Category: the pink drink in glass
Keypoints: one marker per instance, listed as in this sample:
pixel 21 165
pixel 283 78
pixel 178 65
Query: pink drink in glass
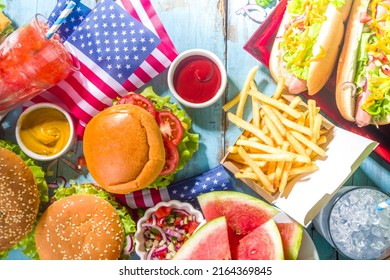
pixel 30 63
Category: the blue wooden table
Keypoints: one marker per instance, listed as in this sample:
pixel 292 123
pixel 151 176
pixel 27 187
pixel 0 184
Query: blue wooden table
pixel 216 26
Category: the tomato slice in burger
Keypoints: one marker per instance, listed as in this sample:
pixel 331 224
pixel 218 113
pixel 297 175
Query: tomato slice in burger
pixel 139 100
pixel 171 158
pixel 170 127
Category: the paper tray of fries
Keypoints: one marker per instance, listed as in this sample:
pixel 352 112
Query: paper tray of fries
pixel 289 153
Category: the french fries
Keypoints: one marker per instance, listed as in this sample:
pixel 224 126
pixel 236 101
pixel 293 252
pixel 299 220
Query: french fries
pixel 281 141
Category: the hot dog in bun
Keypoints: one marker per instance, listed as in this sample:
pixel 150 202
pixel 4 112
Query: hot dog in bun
pixel 363 73
pixel 307 43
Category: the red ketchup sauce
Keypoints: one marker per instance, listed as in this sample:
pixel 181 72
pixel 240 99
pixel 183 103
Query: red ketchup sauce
pixel 197 79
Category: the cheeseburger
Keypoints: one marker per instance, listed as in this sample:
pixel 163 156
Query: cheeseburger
pixel 84 223
pixel 23 193
pixel 139 142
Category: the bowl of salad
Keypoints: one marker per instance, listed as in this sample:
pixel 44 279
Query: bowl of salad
pixel 164 228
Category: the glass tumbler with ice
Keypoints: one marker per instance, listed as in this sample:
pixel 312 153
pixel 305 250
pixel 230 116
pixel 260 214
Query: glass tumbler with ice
pixel 352 223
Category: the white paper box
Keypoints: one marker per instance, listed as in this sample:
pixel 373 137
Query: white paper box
pixel 307 194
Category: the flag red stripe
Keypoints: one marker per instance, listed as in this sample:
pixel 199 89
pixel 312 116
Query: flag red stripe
pixel 156 197
pixel 142 75
pixel 155 63
pixel 129 86
pixel 70 104
pixel 85 94
pixel 96 80
pixel 139 199
pixel 171 54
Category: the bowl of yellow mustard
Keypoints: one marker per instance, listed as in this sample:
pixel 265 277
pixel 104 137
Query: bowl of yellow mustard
pixel 45 131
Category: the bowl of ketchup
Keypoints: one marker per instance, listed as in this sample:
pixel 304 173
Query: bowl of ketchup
pixel 197 78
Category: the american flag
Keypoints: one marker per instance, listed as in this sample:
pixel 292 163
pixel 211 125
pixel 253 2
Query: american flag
pixel 186 190
pixel 105 71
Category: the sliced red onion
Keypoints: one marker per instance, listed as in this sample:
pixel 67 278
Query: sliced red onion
pixel 182 231
pixel 160 250
pixel 153 220
pixel 52 185
pixel 362 82
pixel 300 17
pixel 164 237
pixel 174 233
pixel 150 252
pixel 181 211
pixel 60 181
pixel 129 245
pixel 346 85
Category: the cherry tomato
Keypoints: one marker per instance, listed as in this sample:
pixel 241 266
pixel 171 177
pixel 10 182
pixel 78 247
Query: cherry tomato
pixel 139 100
pixel 170 126
pixel 163 212
pixel 171 158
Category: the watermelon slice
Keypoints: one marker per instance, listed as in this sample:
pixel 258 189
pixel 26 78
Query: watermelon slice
pixel 209 242
pixel 263 243
pixel 291 234
pixel 243 213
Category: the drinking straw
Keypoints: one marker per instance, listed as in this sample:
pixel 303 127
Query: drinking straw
pixel 60 20
pixel 383 205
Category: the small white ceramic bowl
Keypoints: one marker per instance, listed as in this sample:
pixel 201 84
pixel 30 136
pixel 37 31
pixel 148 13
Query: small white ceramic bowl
pixel 197 52
pixel 40 157
pixel 175 204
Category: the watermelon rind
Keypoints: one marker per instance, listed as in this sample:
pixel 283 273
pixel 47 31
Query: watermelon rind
pixel 291 234
pixel 209 242
pixel 263 243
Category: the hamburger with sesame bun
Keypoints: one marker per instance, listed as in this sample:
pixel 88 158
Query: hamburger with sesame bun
pixel 84 223
pixel 23 194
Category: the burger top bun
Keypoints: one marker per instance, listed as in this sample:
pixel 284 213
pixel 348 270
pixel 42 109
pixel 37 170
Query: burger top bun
pixel 79 227
pixel 124 148
pixel 19 199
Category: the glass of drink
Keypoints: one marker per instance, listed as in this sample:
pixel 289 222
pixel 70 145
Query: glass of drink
pixel 31 63
pixel 351 223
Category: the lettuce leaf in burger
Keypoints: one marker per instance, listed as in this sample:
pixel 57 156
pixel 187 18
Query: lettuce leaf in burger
pixel 23 196
pixel 141 141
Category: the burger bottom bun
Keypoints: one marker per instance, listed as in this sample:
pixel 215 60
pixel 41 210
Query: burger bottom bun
pixel 19 199
pixel 124 149
pixel 79 227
